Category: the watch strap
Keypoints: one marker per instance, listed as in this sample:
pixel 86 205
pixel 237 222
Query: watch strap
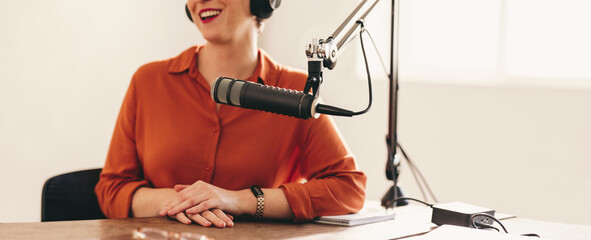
pixel 258 193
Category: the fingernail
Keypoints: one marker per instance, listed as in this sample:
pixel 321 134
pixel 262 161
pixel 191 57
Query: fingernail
pixel 230 224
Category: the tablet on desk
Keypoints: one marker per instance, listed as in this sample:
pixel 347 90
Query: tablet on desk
pixel 368 214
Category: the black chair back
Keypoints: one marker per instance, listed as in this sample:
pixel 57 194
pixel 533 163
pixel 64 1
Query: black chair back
pixel 71 196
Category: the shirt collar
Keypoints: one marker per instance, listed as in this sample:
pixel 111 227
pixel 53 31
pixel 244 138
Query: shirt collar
pixel 267 70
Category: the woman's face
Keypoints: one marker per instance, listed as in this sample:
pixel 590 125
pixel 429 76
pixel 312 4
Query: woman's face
pixel 222 21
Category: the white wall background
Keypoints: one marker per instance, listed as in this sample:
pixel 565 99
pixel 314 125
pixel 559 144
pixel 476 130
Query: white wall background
pixel 65 67
pixel 479 127
pixel 487 138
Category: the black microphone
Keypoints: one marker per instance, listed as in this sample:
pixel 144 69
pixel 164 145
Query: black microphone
pixel 282 101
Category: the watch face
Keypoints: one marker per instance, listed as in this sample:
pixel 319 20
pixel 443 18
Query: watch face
pixel 256 191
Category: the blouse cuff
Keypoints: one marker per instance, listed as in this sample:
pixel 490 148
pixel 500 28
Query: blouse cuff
pixel 299 201
pixel 120 207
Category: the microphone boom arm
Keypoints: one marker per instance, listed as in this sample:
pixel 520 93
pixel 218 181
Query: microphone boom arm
pixel 323 53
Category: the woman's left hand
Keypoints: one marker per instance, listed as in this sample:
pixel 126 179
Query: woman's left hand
pixel 201 196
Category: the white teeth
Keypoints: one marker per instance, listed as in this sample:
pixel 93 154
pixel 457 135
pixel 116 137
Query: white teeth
pixel 210 13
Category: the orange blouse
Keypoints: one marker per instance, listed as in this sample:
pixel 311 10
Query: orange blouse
pixel 169 132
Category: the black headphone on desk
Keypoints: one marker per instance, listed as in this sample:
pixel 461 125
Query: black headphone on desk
pixel 262 9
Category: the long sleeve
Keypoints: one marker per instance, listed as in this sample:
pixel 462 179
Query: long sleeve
pixel 334 185
pixel 120 176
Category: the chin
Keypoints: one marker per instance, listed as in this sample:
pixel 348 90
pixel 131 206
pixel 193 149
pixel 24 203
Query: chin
pixel 215 39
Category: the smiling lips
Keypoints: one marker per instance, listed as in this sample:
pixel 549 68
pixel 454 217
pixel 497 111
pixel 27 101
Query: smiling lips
pixel 209 14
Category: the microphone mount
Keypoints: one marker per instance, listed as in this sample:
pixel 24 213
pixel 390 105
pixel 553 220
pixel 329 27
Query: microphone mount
pixel 314 70
pixel 323 53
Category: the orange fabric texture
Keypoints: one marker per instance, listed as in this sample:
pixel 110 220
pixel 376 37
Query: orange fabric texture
pixel 169 132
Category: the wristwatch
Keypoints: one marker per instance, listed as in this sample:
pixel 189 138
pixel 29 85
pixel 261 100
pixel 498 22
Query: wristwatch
pixel 258 193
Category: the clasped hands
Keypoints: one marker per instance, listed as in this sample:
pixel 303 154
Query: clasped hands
pixel 206 205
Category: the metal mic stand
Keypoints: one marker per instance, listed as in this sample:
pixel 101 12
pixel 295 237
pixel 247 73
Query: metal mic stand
pixel 323 53
pixel 393 161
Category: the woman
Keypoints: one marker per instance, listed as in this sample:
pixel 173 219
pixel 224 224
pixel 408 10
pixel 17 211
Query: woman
pixel 175 152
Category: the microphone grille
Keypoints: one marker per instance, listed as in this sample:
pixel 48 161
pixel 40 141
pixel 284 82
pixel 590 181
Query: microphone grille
pixel 227 90
pixel 220 88
pixel 235 90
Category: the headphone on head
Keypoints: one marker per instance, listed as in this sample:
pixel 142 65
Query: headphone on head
pixel 262 9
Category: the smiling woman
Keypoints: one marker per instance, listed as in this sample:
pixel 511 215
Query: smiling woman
pixel 176 152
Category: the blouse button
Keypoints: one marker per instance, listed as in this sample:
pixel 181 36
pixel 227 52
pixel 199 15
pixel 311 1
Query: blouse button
pixel 215 129
pixel 207 166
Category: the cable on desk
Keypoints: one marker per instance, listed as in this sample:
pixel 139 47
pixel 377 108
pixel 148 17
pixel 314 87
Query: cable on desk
pixel 530 235
pixel 482 226
pixel 412 199
pixel 472 220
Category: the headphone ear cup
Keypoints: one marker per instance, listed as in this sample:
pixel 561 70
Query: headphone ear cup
pixel 263 8
pixel 188 12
